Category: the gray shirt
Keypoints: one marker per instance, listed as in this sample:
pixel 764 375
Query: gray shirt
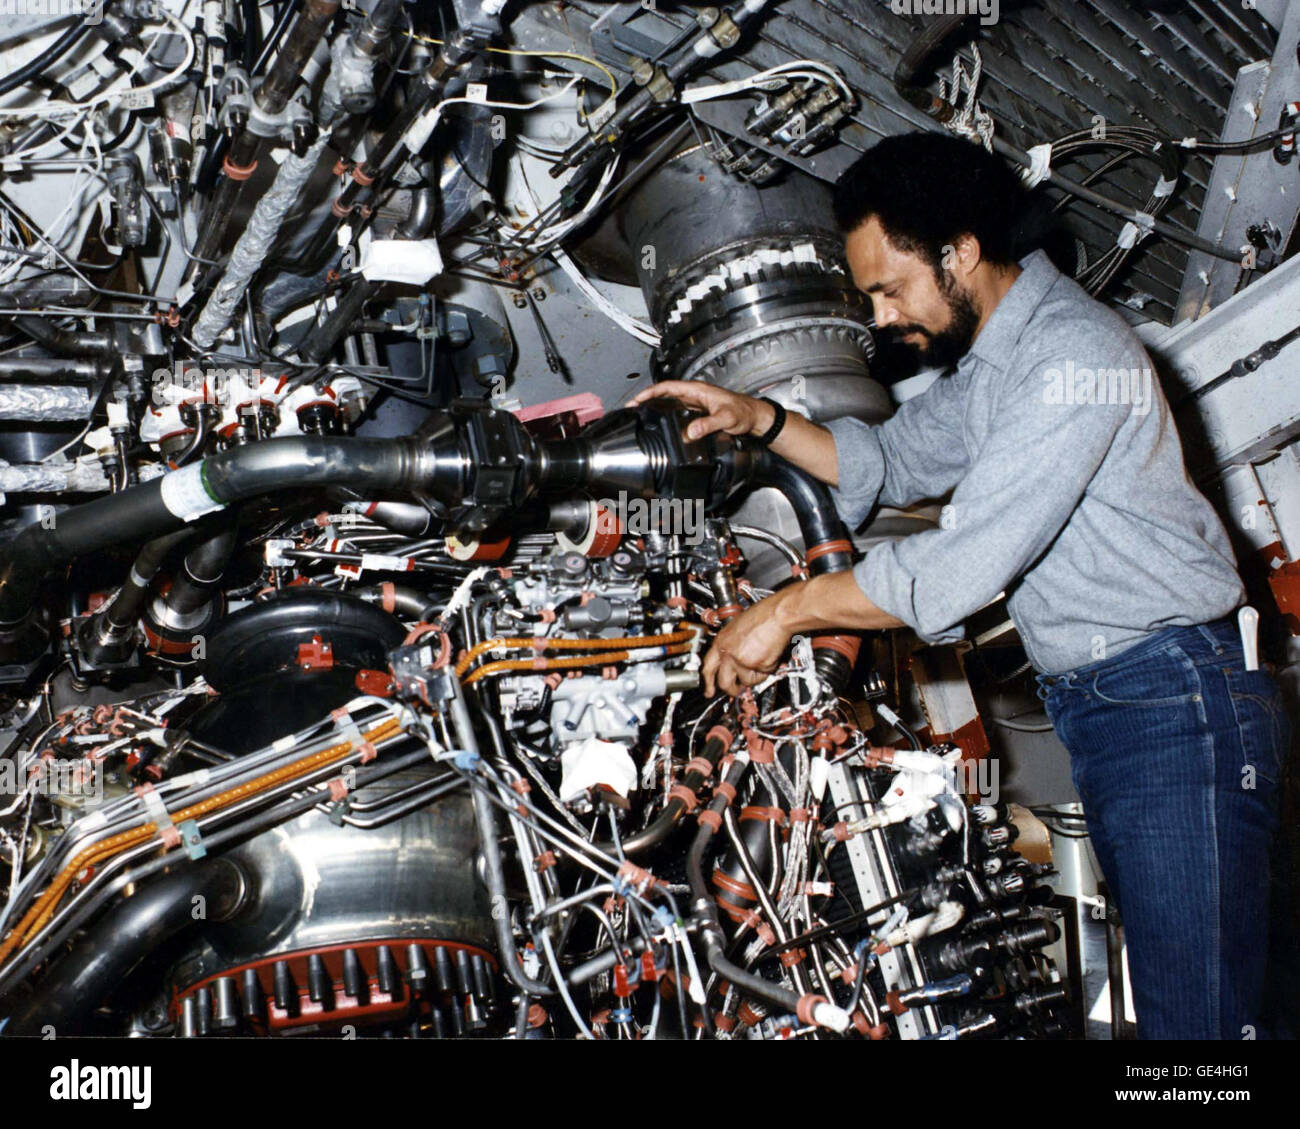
pixel 1069 491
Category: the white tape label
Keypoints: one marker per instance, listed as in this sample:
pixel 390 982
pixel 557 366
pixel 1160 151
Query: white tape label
pixel 185 495
pixel 421 129
pixel 413 261
pixel 137 100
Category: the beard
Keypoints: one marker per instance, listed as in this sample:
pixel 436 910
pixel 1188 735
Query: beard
pixel 945 347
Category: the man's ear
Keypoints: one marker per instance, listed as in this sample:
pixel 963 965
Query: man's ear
pixel 967 256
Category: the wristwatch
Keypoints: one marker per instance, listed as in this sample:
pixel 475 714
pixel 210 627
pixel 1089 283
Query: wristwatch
pixel 769 436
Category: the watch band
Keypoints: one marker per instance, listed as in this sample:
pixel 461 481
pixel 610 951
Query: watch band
pixel 769 436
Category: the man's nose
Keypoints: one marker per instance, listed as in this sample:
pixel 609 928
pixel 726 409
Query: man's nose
pixel 885 313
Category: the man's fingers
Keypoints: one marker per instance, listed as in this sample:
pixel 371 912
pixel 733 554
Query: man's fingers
pixel 733 678
pixel 740 678
pixel 727 679
pixel 682 389
pixel 719 406
pixel 709 670
pixel 718 421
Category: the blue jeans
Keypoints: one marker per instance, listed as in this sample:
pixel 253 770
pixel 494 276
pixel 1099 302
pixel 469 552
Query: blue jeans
pixel 1176 751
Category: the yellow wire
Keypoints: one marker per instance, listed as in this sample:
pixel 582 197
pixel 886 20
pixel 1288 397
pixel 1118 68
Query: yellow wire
pixel 613 82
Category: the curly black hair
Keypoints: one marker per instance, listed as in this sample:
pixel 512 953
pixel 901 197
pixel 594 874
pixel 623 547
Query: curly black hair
pixel 926 189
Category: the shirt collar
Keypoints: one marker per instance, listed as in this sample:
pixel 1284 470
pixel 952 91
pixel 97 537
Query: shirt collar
pixel 997 340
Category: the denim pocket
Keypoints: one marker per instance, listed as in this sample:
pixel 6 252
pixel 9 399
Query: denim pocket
pixel 1166 678
pixel 1261 719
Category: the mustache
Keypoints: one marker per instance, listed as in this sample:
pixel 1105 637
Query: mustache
pixel 898 332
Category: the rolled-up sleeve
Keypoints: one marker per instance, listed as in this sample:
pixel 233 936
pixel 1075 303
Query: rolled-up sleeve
pixel 861 466
pixel 1021 489
pixel 917 453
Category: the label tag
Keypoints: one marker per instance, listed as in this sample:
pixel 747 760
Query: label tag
pixel 413 261
pixel 421 129
pixel 185 495
pixel 137 99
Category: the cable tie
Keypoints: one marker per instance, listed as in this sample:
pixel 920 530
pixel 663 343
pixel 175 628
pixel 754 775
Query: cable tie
pixel 1040 167
pixel 157 813
pixel 347 726
pixel 465 759
pixel 189 834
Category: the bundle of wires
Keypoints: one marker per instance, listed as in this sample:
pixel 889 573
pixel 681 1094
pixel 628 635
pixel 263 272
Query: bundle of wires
pixel 1130 142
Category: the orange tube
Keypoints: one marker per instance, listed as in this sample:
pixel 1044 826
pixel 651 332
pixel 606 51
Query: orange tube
pixel 504 666
pixel 44 906
pixel 541 642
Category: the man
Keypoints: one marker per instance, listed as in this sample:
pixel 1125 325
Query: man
pixel 1069 493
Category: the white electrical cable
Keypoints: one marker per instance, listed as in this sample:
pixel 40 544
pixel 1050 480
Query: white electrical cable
pixel 422 128
pixel 54 109
pixel 644 333
pixel 553 233
pixel 76 214
pixel 772 77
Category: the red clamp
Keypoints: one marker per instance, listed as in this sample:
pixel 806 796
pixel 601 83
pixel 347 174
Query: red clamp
pixel 235 172
pixel 376 683
pixel 688 798
pixel 316 655
pixel 804 1010
pixel 701 765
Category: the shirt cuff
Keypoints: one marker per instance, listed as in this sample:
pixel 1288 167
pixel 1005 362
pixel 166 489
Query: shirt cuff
pixel 861 467
pixel 888 585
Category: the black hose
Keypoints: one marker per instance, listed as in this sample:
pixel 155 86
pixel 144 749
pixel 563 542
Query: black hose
pixel 142 513
pixel 828 549
pixel 407 602
pixel 715 747
pixel 127 605
pixel 321 341
pixel 252 34
pixel 53 370
pixel 110 950
pixel 819 522
pixel 201 572
pixel 714 939
pixel 50 55
pixel 494 876
pixel 65 342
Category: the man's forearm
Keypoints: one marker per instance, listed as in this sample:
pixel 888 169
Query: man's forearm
pixel 803 443
pixel 829 603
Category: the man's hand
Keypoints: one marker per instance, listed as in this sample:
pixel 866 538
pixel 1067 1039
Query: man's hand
pixel 801 441
pixel 747 650
pixel 750 647
pixel 726 411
